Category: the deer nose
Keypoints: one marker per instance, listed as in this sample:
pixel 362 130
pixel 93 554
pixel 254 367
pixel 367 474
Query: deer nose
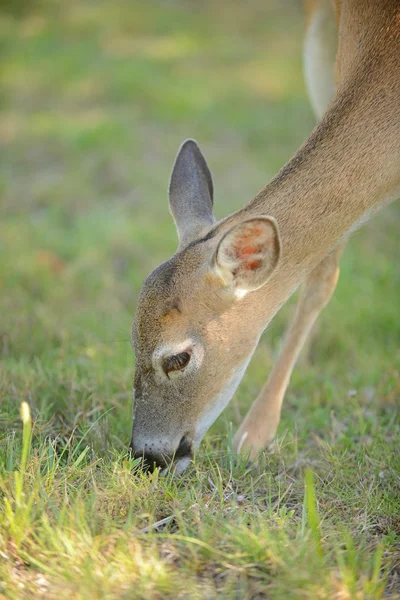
pixel 153 458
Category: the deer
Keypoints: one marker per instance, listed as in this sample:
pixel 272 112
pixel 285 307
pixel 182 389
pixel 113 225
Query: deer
pixel 201 313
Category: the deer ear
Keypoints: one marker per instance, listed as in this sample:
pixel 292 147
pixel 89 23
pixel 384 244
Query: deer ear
pixel 248 254
pixel 191 193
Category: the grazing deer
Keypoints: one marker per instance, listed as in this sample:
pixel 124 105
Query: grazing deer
pixel 201 313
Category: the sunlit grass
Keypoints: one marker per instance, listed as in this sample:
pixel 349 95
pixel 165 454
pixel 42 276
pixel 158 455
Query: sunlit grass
pixel 96 527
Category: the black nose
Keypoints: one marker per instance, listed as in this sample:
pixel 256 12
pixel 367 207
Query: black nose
pixel 153 459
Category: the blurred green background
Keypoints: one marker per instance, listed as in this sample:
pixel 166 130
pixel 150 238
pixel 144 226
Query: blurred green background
pixel 96 98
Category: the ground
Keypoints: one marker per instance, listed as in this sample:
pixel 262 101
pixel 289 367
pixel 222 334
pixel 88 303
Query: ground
pixel 96 99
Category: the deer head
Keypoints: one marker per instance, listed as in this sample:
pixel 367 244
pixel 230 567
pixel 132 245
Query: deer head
pixel 193 332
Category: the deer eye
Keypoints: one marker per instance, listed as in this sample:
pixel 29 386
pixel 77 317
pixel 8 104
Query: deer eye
pixel 177 362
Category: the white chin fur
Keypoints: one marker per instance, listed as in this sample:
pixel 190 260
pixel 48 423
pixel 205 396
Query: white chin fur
pixel 177 467
pixel 216 407
pixel 181 464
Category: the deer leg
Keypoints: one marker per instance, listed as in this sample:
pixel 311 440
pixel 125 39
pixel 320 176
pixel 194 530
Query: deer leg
pixel 262 420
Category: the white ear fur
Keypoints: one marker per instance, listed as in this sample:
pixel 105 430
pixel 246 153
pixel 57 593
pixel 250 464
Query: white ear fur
pixel 248 254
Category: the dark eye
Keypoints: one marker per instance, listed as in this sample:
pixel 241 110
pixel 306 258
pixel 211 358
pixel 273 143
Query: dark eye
pixel 177 362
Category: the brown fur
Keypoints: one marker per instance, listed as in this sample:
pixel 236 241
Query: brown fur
pixel 348 169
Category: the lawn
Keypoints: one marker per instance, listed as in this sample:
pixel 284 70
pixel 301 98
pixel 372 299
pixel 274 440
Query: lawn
pixel 96 98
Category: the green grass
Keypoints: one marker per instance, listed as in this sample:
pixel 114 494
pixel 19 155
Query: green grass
pixel 96 98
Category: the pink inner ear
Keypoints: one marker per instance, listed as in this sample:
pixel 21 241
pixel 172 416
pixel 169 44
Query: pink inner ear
pixel 248 253
pixel 251 242
pixel 252 265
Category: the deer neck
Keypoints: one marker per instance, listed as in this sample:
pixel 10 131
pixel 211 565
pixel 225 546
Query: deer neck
pixel 346 171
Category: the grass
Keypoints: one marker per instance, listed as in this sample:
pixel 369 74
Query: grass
pixel 96 98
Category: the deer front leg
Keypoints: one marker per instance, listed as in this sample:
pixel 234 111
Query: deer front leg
pixel 262 420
